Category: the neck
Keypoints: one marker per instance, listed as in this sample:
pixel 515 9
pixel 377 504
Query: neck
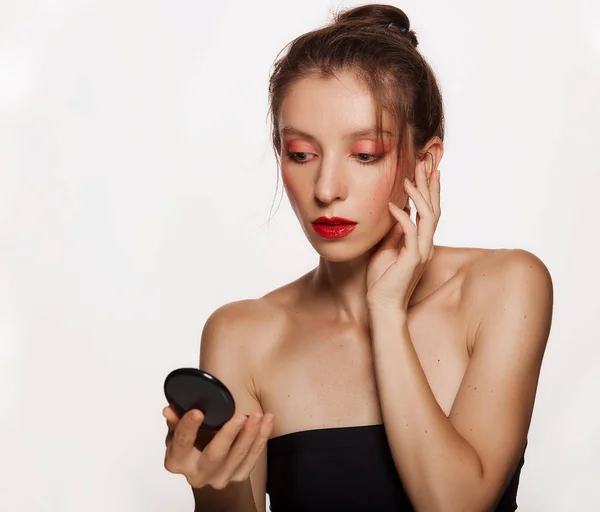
pixel 342 288
pixel 339 289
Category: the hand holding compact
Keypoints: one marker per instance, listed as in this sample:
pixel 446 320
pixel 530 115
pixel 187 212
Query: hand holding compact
pixel 215 459
pixel 206 443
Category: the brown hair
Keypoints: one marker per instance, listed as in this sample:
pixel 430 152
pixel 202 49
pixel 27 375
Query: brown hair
pixel 376 42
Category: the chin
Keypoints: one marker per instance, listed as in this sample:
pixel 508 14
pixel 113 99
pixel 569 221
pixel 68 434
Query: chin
pixel 341 250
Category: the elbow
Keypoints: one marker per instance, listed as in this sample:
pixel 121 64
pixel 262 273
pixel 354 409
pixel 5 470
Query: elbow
pixel 466 504
pixel 466 495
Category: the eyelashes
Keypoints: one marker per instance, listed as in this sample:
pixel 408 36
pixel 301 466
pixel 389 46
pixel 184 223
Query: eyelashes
pixel 297 156
pixel 371 158
pixel 301 157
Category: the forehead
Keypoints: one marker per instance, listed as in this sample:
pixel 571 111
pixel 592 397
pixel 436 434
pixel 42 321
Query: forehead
pixel 330 105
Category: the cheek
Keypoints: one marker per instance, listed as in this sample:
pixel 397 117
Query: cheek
pixel 383 192
pixel 289 184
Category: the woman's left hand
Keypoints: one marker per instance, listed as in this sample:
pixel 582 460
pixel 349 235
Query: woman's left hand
pixel 399 262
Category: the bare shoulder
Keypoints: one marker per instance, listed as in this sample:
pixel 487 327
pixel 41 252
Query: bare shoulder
pixel 238 316
pixel 508 289
pixel 515 270
pixel 242 333
pixel 243 327
pixel 235 340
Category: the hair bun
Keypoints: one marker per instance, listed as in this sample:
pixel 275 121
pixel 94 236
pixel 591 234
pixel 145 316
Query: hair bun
pixel 384 16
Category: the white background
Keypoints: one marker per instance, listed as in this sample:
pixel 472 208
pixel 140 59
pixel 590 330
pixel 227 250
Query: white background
pixel 136 180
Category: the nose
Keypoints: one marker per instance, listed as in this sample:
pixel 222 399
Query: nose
pixel 330 184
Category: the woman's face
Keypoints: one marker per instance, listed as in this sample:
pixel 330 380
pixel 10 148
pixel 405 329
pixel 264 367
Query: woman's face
pixel 333 164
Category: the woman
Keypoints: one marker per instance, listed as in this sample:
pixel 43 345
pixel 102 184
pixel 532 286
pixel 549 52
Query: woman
pixel 397 375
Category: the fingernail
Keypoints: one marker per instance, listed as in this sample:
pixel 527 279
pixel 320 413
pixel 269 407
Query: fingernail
pixel 407 182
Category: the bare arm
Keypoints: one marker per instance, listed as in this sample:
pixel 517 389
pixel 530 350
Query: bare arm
pixel 464 462
pixel 226 470
pixel 225 352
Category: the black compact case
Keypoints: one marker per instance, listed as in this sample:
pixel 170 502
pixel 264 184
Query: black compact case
pixel 191 388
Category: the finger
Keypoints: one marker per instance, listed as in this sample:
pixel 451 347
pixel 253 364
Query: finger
pixel 243 443
pixel 426 220
pixel 392 238
pixel 434 185
pixel 184 436
pixel 172 420
pixel 424 209
pixel 221 443
pixel 170 415
pixel 422 184
pixel 427 230
pixel 170 433
pixel 169 437
pixel 411 242
pixel 260 441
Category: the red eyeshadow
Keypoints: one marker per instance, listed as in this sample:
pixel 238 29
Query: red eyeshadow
pixel 369 146
pixel 299 146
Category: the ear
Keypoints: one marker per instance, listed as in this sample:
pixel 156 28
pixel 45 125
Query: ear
pixel 431 155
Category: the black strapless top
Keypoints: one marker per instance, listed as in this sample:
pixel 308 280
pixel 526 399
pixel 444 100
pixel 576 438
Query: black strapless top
pixel 348 469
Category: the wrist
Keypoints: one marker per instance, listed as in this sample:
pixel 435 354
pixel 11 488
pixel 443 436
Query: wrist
pixel 388 319
pixel 386 307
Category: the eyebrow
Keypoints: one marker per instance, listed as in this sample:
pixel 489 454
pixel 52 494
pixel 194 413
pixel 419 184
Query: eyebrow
pixel 288 130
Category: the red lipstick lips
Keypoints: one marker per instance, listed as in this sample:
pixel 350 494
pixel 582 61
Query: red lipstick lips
pixel 334 227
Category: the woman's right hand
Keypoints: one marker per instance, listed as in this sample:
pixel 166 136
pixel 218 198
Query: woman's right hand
pixel 217 459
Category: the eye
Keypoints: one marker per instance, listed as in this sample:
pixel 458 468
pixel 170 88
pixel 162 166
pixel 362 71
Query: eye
pixel 300 157
pixel 368 158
